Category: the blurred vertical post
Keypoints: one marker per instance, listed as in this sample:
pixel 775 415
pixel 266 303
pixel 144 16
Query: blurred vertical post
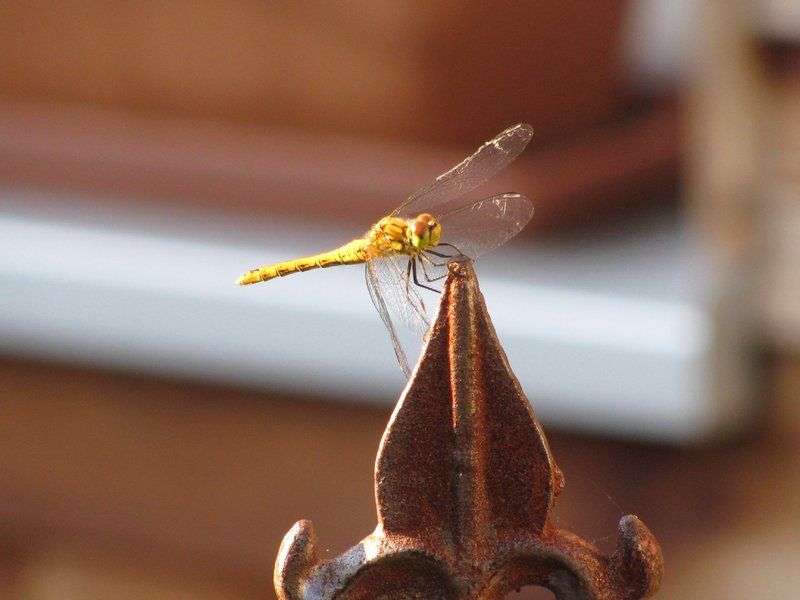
pixel 725 99
pixel 778 26
pixel 744 181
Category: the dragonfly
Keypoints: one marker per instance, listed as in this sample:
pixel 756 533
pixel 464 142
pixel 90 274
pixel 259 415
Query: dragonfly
pixel 408 250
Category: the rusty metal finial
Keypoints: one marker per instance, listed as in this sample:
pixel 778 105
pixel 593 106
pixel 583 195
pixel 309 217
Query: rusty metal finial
pixel 464 485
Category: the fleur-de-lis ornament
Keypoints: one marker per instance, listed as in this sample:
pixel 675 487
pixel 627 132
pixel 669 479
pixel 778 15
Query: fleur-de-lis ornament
pixel 464 486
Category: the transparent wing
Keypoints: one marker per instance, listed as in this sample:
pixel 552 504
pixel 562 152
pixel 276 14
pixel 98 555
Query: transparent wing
pixel 489 159
pixel 400 295
pixel 383 277
pixel 482 226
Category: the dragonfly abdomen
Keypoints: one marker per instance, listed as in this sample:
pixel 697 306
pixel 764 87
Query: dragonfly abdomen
pixel 352 253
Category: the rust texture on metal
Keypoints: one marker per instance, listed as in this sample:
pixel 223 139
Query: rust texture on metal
pixel 464 486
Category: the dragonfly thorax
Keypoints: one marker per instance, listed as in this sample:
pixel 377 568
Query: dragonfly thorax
pixel 394 235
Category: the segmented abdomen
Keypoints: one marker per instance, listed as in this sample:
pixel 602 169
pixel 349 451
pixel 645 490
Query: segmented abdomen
pixel 352 253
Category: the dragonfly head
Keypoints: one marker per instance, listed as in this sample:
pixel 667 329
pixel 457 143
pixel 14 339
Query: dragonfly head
pixel 424 231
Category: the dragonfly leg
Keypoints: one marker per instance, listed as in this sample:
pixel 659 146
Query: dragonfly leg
pixel 442 255
pixel 412 265
pixel 458 251
pixel 408 272
pixel 425 260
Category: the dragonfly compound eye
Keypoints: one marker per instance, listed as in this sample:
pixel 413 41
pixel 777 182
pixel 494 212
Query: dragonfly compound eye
pixel 420 226
pixel 421 230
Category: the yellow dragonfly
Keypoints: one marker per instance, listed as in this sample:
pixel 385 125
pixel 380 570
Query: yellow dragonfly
pixel 414 243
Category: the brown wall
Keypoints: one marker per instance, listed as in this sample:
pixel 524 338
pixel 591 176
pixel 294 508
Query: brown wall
pixel 441 72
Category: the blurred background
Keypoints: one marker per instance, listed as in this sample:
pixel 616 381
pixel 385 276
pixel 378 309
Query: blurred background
pixel 161 429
